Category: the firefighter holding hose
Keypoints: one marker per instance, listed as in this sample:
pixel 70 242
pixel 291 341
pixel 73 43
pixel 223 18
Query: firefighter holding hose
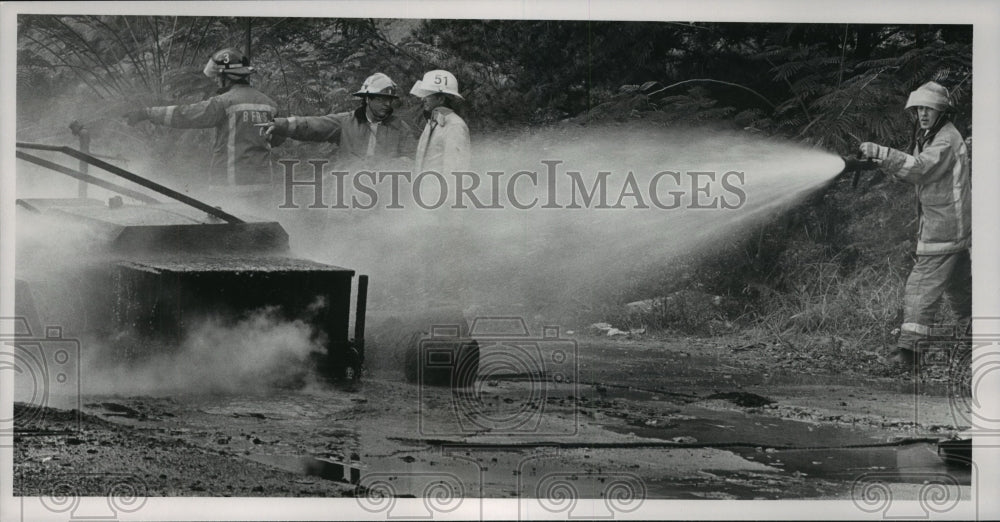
pixel 938 165
pixel 241 157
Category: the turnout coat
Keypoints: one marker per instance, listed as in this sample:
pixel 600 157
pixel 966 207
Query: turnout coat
pixel 241 154
pixel 940 170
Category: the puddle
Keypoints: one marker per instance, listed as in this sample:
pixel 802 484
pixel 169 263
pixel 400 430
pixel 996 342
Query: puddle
pixel 737 486
pixel 911 464
pixel 724 427
pixel 819 449
pixel 591 391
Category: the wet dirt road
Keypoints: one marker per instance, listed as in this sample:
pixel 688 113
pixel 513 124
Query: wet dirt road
pixel 619 420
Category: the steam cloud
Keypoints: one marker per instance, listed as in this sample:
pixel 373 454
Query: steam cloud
pixel 251 355
pixel 548 262
pixel 552 260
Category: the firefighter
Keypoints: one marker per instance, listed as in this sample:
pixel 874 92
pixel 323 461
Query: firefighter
pixel 369 136
pixel 241 159
pixel 444 148
pixel 938 165
pixel 444 145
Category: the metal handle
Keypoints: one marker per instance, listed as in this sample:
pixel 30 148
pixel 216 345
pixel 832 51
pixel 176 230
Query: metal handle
pixel 135 178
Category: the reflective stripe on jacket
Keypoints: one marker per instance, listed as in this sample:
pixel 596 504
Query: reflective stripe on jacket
pixel 942 175
pixel 445 145
pixel 351 130
pixel 241 154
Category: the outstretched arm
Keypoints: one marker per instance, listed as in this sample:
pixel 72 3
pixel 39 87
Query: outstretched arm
pixel 930 165
pixel 193 116
pixel 306 128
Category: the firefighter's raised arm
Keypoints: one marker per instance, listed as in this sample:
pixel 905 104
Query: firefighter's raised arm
pixel 199 115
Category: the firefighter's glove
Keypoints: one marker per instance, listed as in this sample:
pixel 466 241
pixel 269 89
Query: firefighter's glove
pixel 278 125
pixel 874 151
pixel 136 116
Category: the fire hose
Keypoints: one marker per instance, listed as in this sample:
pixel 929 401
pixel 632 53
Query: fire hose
pixel 654 444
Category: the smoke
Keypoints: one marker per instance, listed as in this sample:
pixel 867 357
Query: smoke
pixel 48 243
pixel 173 157
pixel 63 261
pixel 550 260
pixel 255 354
pixel 538 248
pixel 554 260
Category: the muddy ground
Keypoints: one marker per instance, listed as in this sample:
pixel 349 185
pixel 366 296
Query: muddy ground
pixel 629 419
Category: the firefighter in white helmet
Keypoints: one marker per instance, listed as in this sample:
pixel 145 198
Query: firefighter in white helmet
pixel 938 165
pixel 444 148
pixel 369 136
pixel 241 159
pixel 445 145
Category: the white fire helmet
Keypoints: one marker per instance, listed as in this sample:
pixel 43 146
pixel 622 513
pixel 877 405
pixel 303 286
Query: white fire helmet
pixel 227 61
pixel 930 94
pixel 436 81
pixel 378 84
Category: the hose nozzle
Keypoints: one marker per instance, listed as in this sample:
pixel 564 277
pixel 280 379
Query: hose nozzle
pixel 856 165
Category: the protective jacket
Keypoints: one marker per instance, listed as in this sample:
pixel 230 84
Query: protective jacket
pixel 242 152
pixel 353 132
pixel 445 145
pixel 940 169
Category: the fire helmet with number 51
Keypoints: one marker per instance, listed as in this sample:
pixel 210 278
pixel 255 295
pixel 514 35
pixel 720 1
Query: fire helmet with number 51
pixel 434 82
